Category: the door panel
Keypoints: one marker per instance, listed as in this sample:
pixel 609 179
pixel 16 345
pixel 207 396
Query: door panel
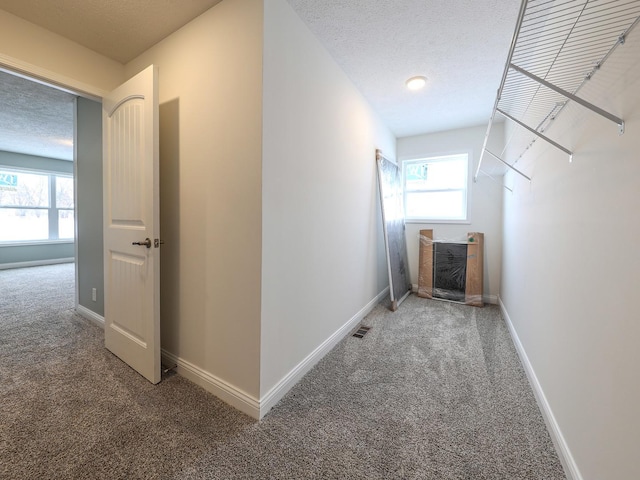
pixel 127 141
pixel 131 215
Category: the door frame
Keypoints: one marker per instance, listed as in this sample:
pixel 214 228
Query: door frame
pixel 66 84
pixel 50 78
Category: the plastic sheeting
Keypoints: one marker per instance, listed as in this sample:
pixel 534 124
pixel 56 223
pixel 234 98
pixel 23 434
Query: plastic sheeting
pixel 390 184
pixel 451 268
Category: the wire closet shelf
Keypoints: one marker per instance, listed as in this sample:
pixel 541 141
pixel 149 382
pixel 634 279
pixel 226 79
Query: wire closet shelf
pixel 557 46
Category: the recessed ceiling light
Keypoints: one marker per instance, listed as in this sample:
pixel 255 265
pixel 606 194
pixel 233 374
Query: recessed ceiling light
pixel 416 83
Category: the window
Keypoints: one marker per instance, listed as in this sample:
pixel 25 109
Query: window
pixel 435 189
pixel 35 206
pixel 64 206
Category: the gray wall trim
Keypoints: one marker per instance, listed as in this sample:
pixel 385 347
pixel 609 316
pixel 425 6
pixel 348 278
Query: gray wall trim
pixel 35 263
pixel 88 167
pixel 32 162
pixel 17 254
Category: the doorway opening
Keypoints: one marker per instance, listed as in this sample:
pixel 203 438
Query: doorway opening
pixel 51 183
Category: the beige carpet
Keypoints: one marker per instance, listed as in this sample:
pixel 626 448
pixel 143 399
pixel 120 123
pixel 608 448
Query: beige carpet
pixel 433 391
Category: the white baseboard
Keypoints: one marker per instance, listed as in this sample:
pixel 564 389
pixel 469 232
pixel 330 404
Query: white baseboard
pixel 275 394
pixel 36 263
pixel 491 299
pixel 564 453
pixel 221 389
pixel 242 400
pixel 90 315
pixel 226 392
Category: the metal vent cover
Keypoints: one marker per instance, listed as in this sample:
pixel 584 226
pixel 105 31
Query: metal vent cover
pixel 362 331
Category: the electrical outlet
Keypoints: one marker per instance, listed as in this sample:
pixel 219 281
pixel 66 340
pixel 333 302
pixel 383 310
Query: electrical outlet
pixel 93 294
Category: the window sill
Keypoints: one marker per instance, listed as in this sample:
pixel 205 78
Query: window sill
pixel 437 222
pixel 31 243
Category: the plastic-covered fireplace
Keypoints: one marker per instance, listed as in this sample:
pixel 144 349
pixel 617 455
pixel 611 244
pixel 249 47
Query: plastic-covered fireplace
pixel 451 269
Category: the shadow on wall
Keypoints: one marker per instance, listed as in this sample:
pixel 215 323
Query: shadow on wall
pixel 169 223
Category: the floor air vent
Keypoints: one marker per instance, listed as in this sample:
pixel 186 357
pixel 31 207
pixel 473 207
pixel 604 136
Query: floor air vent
pixel 362 331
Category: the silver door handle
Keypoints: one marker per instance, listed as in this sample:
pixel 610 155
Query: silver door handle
pixel 146 243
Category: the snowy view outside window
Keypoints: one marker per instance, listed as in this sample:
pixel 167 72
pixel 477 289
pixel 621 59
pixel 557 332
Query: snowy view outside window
pixel 35 206
pixel 64 203
pixel 436 188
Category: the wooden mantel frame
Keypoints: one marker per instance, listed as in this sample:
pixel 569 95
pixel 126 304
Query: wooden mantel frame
pixel 475 267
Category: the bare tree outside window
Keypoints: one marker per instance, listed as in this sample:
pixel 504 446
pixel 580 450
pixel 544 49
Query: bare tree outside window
pixel 30 209
pixel 31 191
pixel 64 192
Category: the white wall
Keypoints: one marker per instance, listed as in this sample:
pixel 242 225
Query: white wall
pixel 485 202
pixel 570 275
pixel 210 154
pixel 211 116
pixel 323 256
pixel 41 52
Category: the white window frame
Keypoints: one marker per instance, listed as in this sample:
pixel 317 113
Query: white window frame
pixel 52 209
pixel 465 219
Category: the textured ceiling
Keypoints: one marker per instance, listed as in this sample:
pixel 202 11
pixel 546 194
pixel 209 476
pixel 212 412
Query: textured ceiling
pixel 461 46
pixel 118 29
pixel 38 120
pixel 35 119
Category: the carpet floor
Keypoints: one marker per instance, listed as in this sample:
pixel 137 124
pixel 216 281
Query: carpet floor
pixel 433 391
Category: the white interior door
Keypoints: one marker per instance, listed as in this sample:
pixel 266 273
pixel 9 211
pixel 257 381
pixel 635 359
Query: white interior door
pixel 132 223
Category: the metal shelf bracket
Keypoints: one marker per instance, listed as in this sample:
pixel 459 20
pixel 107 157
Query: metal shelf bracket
pixel 559 45
pixel 535 132
pixel 507 164
pixel 570 96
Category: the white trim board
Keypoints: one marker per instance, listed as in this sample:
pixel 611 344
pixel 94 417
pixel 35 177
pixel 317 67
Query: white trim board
pixel 275 394
pixel 224 391
pixel 36 263
pixel 90 315
pixel 236 397
pixel 249 404
pixel 491 299
pixel 564 453
pixel 49 78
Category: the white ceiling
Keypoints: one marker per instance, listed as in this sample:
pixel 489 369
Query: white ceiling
pixel 118 29
pixel 38 120
pixel 35 119
pixel 459 45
